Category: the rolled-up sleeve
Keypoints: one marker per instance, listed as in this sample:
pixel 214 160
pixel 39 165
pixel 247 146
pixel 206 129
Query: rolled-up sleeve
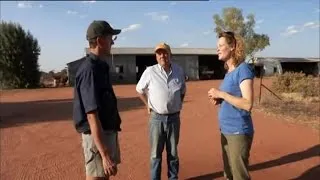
pixel 88 90
pixel 143 82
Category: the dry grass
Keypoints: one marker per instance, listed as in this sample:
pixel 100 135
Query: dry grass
pixel 289 82
pixel 300 99
pixel 306 113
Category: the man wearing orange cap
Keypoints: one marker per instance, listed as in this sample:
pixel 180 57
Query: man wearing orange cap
pixel 162 88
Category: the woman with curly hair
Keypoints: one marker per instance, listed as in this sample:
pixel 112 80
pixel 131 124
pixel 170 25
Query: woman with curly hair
pixel 235 97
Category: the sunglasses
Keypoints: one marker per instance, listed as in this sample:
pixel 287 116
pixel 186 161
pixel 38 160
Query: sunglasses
pixel 114 37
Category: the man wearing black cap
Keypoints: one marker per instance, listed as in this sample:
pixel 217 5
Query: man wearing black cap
pixel 95 111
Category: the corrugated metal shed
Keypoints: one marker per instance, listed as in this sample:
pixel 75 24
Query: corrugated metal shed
pixel 287 59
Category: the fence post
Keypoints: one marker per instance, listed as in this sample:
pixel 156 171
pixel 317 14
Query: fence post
pixel 261 76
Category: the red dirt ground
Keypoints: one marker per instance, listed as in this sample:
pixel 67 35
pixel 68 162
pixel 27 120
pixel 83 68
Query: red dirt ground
pixel 38 140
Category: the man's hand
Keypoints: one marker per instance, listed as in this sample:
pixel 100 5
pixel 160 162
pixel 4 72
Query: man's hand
pixel 110 169
pixel 96 133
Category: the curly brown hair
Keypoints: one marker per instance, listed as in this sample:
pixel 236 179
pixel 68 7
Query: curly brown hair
pixel 237 43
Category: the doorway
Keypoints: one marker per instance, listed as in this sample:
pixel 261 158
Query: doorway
pixel 210 67
pixel 142 62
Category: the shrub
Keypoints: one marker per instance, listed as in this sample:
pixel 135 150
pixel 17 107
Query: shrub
pixel 291 82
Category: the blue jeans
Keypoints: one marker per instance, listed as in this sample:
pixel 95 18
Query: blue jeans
pixel 164 131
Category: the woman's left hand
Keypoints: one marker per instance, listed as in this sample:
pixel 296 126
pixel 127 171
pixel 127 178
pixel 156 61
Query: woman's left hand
pixel 214 93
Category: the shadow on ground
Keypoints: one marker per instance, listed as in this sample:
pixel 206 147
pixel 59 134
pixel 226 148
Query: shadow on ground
pixel 291 158
pixel 19 113
pixel 310 174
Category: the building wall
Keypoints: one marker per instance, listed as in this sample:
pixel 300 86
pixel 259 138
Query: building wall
pixel 127 65
pixel 272 68
pixel 189 63
pixel 124 62
pixel 72 70
pixel 123 68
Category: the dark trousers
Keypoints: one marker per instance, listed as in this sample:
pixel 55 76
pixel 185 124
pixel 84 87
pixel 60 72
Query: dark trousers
pixel 164 131
pixel 235 154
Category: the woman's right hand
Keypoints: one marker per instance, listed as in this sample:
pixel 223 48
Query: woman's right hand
pixel 214 101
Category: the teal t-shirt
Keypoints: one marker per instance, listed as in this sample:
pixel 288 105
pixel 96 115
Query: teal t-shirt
pixel 233 120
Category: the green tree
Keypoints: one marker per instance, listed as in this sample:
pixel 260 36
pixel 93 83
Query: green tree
pixel 19 52
pixel 233 20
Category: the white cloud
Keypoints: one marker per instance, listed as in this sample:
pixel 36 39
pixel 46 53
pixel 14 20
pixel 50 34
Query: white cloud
pixel 132 27
pixel 184 45
pixel 257 27
pixel 76 14
pixel 173 3
pixel 311 25
pixel 72 12
pixel 315 26
pixel 291 30
pixel 83 16
pixel 24 4
pixel 317 10
pixel 260 21
pixel 157 16
pixel 88 2
pixel 123 38
pixel 291 27
pixel 207 32
pixel 297 29
pixel 28 4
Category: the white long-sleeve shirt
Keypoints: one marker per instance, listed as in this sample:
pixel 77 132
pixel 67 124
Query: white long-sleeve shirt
pixel 163 90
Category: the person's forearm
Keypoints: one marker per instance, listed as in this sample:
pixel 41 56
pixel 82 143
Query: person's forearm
pixel 238 102
pixel 96 133
pixel 144 99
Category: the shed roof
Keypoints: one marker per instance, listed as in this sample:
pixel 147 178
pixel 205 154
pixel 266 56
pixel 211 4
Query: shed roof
pixel 288 59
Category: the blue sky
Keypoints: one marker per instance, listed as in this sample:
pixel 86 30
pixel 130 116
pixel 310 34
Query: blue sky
pixel 60 27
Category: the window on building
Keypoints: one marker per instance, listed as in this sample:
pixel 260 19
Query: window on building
pixel 119 69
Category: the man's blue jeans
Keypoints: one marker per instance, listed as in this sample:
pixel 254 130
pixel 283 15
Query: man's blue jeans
pixel 164 131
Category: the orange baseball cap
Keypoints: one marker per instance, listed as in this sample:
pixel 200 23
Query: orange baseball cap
pixel 163 46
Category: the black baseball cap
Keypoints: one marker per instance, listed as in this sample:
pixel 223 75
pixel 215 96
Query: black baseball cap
pixel 99 28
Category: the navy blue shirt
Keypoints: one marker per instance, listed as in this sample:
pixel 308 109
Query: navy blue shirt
pixel 93 92
pixel 233 120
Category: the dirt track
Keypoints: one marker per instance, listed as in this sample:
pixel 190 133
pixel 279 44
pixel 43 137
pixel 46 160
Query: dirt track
pixel 41 143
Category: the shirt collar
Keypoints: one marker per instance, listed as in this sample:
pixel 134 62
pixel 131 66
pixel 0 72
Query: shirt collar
pixel 93 56
pixel 161 68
